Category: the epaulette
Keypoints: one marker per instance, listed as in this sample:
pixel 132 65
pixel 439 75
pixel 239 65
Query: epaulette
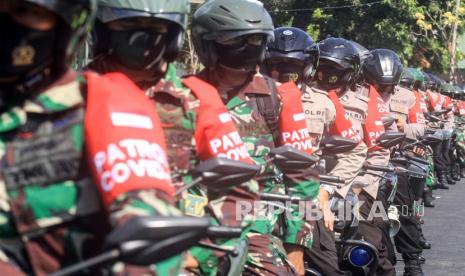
pixel 362 92
pixel 319 91
pixel 183 94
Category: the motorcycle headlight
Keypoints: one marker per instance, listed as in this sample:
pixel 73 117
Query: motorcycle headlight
pixel 360 256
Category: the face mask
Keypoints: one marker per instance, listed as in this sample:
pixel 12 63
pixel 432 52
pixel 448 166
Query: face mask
pixel 245 56
pixel 138 49
pixel 24 51
pixel 284 72
pixel 331 78
pixel 386 89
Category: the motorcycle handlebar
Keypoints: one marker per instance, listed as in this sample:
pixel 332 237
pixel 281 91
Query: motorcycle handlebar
pixel 378 168
pixel 279 198
pixel 332 179
pixel 222 232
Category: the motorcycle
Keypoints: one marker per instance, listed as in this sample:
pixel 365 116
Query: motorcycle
pixel 148 240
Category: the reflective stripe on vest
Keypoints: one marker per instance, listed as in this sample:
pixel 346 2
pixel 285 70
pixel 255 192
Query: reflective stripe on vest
pixel 342 125
pixel 373 126
pixel 215 133
pixel 124 138
pixel 292 122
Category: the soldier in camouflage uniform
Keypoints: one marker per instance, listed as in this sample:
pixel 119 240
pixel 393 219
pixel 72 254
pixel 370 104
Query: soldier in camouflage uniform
pixel 230 38
pixel 51 212
pixel 141 39
pixel 460 132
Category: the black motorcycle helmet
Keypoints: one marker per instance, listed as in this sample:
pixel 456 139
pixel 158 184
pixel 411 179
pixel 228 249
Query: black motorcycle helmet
pixel 142 50
pixel 339 63
pixel 383 69
pixel 407 79
pixel 31 59
pixel 233 33
pixel 436 82
pixel 363 54
pixel 293 55
pixel 174 12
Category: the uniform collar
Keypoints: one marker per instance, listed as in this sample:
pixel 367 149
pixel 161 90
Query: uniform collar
pixel 61 95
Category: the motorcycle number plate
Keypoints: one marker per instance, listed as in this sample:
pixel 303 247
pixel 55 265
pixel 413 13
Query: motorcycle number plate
pixel 194 205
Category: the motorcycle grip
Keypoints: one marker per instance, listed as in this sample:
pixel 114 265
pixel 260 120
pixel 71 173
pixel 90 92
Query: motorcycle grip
pixel 223 232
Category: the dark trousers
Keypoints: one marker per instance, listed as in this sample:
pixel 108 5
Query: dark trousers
pixel 407 240
pixel 441 159
pixel 323 256
pixel 376 232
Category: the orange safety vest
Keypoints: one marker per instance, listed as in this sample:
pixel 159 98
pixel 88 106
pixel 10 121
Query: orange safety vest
pixel 434 101
pixel 416 113
pixel 292 122
pixel 461 108
pixel 124 138
pixel 215 133
pixel 342 125
pixel 373 126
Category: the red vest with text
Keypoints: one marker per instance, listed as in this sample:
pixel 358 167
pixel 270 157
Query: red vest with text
pixel 373 126
pixel 124 138
pixel 215 133
pixel 342 125
pixel 292 122
pixel 416 113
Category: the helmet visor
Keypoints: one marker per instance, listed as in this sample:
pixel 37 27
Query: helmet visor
pixel 108 14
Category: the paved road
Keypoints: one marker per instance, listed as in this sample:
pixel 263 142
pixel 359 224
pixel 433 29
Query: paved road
pixel 445 228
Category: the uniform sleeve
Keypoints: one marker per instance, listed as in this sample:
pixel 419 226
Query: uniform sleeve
pixel 414 130
pixel 347 167
pixel 378 158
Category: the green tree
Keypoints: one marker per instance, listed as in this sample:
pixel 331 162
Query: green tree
pixel 420 31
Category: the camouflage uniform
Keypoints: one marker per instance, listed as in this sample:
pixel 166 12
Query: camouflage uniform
pixel 266 253
pixel 50 212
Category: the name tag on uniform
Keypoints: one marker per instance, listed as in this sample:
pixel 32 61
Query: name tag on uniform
pixel 398 107
pixel 194 205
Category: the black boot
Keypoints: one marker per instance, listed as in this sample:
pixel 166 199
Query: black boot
pixel 428 197
pixel 442 181
pixel 450 180
pixel 456 172
pixel 424 243
pixel 462 172
pixel 412 265
pixel 422 259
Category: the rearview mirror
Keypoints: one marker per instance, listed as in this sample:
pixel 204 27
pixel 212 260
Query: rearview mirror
pixel 221 173
pixel 430 139
pixel 148 240
pixel 387 121
pixel 333 145
pixel 440 112
pixel 390 139
pixel 290 159
pixel 432 118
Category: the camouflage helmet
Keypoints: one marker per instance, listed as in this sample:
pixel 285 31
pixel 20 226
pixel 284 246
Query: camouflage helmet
pixel 407 78
pixel 447 89
pixel 174 12
pixel 75 20
pixel 221 20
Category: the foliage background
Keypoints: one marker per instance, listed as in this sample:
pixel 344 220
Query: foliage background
pixel 420 31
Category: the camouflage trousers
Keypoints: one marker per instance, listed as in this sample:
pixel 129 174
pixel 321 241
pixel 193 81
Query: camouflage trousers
pixel 140 203
pixel 431 178
pixel 460 145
